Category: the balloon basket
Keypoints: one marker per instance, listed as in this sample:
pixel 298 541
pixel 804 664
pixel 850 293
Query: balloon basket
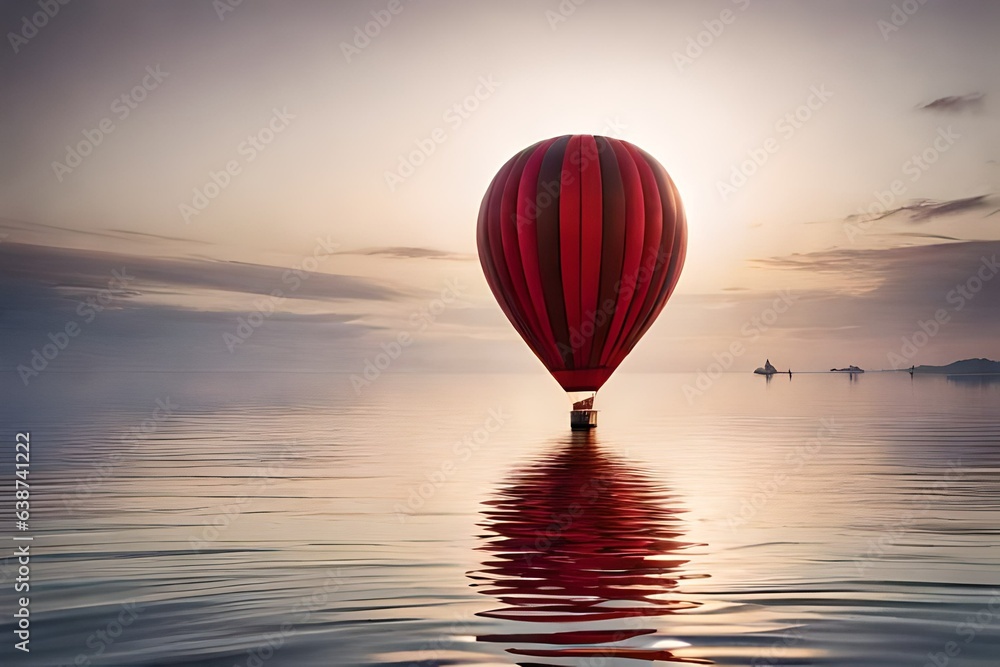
pixel 582 420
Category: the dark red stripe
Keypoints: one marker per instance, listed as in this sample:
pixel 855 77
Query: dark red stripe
pixel 612 245
pixel 673 274
pixel 590 240
pixel 635 234
pixel 570 236
pixel 518 296
pixel 549 251
pixel 672 240
pixel 653 224
pixel 527 236
pixel 490 248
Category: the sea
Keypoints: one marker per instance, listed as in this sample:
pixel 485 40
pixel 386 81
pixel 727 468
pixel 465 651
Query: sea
pixel 300 520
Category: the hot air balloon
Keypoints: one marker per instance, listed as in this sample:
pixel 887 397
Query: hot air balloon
pixel 582 239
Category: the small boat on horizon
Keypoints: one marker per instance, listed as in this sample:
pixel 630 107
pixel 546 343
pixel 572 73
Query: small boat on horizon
pixel 849 369
pixel 766 369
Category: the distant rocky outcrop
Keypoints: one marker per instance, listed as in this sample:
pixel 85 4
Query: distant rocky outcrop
pixel 766 369
pixel 963 367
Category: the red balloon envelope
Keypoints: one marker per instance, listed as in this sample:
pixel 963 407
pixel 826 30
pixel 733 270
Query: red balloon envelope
pixel 582 240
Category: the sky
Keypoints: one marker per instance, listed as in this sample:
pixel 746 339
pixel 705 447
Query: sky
pixel 246 185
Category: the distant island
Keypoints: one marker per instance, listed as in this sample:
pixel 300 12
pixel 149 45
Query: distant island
pixel 766 369
pixel 963 367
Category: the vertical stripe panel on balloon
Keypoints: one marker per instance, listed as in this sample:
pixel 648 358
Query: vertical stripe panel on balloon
pixel 590 241
pixel 519 296
pixel 569 244
pixel 664 254
pixel 673 239
pixel 490 247
pixel 679 253
pixel 612 244
pixel 635 235
pixel 527 236
pixel 653 217
pixel 547 220
pixel 677 256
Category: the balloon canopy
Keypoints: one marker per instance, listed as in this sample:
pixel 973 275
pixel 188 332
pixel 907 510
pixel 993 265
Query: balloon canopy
pixel 582 240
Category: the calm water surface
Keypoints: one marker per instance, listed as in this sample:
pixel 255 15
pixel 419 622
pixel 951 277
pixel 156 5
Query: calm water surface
pixel 282 520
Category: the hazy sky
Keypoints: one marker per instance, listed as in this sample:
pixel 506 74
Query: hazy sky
pixel 115 117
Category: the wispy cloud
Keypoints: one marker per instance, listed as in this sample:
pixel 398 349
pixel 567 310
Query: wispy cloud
pixel 408 252
pixel 174 313
pixel 924 210
pixel 917 235
pixel 955 103
pixel 945 258
pixel 89 269
pixel 905 285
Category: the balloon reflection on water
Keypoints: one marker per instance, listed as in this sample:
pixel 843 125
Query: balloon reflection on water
pixel 584 556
